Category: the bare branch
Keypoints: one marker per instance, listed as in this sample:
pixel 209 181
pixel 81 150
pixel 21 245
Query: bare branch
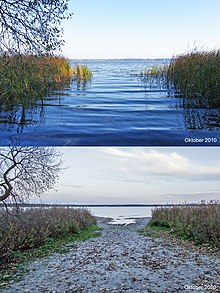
pixel 32 26
pixel 27 171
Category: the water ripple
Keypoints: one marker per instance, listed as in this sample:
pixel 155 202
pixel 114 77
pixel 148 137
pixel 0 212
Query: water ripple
pixel 114 109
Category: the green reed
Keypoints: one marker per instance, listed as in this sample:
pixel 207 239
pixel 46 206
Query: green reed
pixel 155 71
pixel 82 74
pixel 154 76
pixel 27 77
pixel 197 75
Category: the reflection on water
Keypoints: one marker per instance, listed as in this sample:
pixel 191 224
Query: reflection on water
pixel 198 119
pixel 15 120
pixel 115 108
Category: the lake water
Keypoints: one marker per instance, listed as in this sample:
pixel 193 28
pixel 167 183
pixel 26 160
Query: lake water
pixel 121 215
pixel 115 109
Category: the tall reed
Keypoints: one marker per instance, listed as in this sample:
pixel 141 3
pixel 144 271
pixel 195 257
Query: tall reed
pixel 197 75
pixel 200 223
pixel 27 77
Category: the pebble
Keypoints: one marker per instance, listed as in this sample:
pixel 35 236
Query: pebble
pixel 121 260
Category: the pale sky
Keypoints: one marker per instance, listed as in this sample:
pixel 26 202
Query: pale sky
pixel 140 28
pixel 137 175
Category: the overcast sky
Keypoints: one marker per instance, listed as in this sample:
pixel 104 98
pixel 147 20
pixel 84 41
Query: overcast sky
pixel 137 175
pixel 140 28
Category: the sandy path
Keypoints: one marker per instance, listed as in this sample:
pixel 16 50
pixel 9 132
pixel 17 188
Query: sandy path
pixel 121 260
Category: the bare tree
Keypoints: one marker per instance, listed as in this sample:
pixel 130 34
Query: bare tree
pixel 27 171
pixel 32 26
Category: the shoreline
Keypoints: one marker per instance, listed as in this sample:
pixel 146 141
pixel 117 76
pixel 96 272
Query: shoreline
pixel 140 222
pixel 122 260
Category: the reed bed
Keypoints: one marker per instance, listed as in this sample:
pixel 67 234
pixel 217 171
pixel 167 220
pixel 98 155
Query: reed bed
pixel 197 75
pixel 27 229
pixel 200 223
pixel 27 77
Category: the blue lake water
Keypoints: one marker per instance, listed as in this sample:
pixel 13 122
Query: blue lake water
pixel 115 109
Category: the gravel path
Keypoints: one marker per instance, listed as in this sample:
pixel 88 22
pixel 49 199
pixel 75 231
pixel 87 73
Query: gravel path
pixel 121 260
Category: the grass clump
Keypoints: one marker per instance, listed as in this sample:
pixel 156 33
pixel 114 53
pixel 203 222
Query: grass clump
pixel 198 223
pixel 82 74
pixel 27 77
pixel 156 76
pixel 155 71
pixel 197 75
pixel 33 228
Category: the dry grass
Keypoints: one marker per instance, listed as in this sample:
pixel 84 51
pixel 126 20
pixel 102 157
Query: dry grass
pixel 31 228
pixel 198 223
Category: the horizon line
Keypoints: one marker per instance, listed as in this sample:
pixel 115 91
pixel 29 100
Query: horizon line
pixel 122 58
pixel 111 205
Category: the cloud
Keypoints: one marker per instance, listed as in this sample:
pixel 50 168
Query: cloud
pixel 151 162
pixel 72 185
pixel 193 196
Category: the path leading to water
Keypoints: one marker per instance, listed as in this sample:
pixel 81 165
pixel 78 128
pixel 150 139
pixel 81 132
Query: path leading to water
pixel 122 260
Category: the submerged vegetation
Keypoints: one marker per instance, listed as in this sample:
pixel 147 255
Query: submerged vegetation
pixel 197 75
pixel 36 231
pixel 199 223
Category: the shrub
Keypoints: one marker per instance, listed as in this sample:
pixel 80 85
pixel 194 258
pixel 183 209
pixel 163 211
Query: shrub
pixel 199 223
pixel 159 223
pixel 32 227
